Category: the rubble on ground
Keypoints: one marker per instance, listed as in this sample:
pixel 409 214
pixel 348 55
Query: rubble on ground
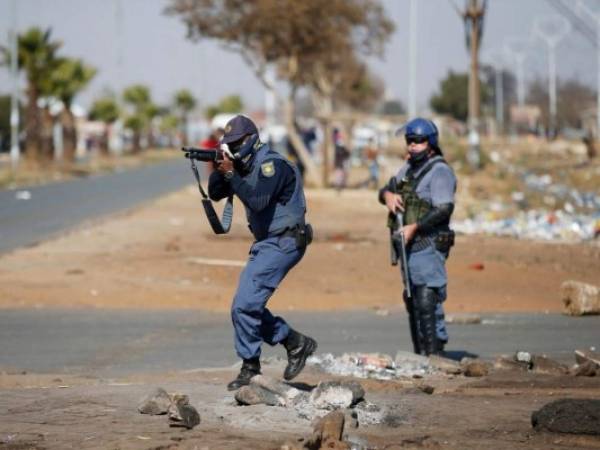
pixel 580 298
pixel 177 407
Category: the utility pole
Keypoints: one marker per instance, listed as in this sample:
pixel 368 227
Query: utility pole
pixel 582 8
pixel 14 98
pixel 412 79
pixel 516 48
pixel 497 62
pixel 552 30
pixel 473 16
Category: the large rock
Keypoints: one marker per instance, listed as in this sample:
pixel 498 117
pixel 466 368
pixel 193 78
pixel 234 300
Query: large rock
pixel 569 416
pixel 182 414
pixel 587 369
pixel 506 363
pixel 256 395
pixel 476 369
pixel 289 393
pixel 580 298
pixel 445 365
pixel 336 394
pixel 582 356
pixel 156 403
pixel 542 364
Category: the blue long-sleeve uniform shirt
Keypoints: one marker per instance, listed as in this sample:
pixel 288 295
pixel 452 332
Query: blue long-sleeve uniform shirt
pixel 276 188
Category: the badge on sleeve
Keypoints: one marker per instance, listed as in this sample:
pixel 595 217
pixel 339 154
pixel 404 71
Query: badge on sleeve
pixel 268 169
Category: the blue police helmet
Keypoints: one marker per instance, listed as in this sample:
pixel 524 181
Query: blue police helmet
pixel 422 127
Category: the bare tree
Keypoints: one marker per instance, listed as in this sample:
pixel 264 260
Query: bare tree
pixel 301 39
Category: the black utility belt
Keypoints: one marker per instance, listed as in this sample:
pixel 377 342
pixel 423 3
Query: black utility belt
pixel 442 241
pixel 302 233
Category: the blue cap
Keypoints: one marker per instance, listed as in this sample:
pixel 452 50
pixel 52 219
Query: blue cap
pixel 237 128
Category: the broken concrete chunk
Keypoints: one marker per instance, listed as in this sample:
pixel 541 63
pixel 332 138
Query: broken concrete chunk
pixel 476 369
pixel 186 416
pixel 523 357
pixel 173 411
pixel 581 416
pixel 542 364
pixel 351 418
pixel 284 390
pixel 580 298
pixel 582 356
pixel 336 394
pixel 587 369
pixel 505 363
pixel 156 403
pixel 330 428
pixel 445 365
pixel 254 394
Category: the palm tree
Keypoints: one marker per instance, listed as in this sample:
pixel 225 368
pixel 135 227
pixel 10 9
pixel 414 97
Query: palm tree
pixel 70 77
pixel 106 110
pixel 139 100
pixel 185 103
pixel 37 57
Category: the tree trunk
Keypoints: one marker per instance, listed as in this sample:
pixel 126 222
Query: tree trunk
pixel 47 135
pixel 324 104
pixel 137 148
pixel 104 141
pixel 32 125
pixel 69 134
pixel 310 173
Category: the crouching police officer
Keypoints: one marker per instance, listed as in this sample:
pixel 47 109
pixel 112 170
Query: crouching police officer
pixel 270 187
pixel 423 190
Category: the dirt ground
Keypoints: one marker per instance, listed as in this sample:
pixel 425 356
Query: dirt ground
pixel 58 412
pixel 163 255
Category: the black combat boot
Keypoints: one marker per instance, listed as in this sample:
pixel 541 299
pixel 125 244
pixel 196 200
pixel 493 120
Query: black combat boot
pixel 250 367
pixel 299 348
pixel 426 303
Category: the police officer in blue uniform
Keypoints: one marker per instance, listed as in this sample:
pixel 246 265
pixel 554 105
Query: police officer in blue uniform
pixel 424 190
pixel 270 187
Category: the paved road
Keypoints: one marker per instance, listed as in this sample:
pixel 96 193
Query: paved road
pixel 57 207
pixel 111 343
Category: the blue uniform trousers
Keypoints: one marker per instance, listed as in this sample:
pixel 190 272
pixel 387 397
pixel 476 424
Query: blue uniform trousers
pixel 427 268
pixel 269 262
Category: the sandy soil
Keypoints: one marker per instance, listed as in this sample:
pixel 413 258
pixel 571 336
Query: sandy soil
pixel 163 255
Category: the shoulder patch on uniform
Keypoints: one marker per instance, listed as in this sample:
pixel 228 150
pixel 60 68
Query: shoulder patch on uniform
pixel 268 169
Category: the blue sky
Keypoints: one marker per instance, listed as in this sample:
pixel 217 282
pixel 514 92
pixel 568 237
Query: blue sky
pixel 154 50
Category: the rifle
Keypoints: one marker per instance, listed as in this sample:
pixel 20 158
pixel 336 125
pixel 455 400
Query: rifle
pixel 219 226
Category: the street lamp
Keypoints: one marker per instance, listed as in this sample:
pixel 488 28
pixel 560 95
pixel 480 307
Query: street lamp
pixel 552 30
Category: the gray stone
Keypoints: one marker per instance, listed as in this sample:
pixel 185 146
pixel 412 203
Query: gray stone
pixel 176 400
pixel 542 364
pixel 330 428
pixel 587 369
pixel 581 416
pixel 580 298
pixel 156 403
pixel 289 393
pixel 445 365
pixel 505 363
pixel 476 369
pixel 426 388
pixel 336 394
pixel 582 356
pixel 524 357
pixel 187 417
pixel 254 394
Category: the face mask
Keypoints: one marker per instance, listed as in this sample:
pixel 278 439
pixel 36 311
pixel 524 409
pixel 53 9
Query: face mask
pixel 244 152
pixel 418 157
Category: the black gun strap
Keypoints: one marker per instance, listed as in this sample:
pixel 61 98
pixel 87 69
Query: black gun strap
pixel 219 226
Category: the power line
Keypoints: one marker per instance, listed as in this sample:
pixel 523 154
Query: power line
pixel 578 23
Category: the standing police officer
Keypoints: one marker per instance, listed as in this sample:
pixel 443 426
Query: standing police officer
pixel 423 190
pixel 270 187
